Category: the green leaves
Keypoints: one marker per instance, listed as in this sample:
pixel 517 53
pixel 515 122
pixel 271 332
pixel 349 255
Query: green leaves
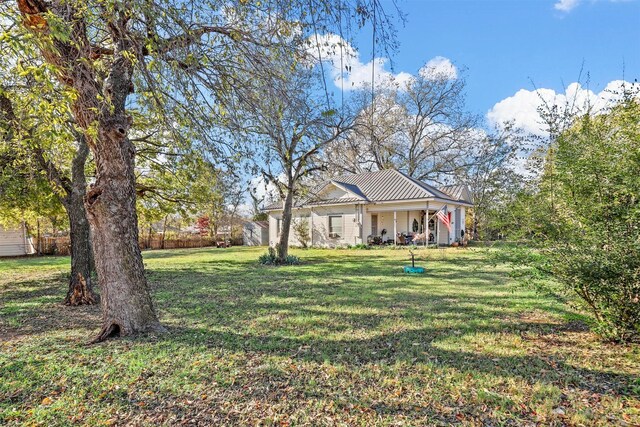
pixel 58 28
pixel 585 214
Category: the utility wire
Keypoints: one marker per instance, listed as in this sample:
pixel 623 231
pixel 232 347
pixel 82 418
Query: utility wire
pixel 373 69
pixel 342 69
pixel 315 30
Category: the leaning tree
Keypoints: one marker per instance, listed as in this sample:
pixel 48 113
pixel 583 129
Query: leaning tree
pixel 178 56
pixel 39 133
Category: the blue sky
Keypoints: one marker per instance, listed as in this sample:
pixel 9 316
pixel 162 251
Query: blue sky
pixel 505 45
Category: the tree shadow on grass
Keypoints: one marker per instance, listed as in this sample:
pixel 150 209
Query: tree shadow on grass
pixel 29 307
pixel 415 347
pixel 351 312
pixel 303 314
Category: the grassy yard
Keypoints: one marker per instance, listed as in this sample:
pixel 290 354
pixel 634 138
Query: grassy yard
pixel 343 339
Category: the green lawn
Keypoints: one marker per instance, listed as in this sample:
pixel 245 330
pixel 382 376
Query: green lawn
pixel 343 339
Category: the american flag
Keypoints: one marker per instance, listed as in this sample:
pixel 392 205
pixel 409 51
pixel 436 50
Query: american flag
pixel 444 218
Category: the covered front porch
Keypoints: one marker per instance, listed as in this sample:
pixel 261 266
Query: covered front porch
pixel 399 224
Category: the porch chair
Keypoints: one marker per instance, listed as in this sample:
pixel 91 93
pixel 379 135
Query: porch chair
pixel 419 238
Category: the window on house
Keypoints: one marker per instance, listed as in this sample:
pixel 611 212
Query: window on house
pixel 335 226
pixel 278 226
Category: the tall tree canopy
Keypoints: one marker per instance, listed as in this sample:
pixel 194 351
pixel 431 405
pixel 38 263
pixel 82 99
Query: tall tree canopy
pixel 175 57
pixel 290 122
pixel 420 126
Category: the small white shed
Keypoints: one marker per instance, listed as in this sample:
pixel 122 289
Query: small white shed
pixel 255 233
pixel 14 241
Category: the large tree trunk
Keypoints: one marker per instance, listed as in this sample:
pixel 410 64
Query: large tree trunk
pixel 111 209
pixel 80 283
pixel 100 110
pixel 285 227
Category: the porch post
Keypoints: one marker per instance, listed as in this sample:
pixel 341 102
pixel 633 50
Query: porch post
pixel 426 226
pixel 311 224
pixel 437 232
pixel 395 226
pixel 408 225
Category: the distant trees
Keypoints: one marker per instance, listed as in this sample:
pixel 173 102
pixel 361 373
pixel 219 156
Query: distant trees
pixel 420 127
pixel 203 225
pixel 491 176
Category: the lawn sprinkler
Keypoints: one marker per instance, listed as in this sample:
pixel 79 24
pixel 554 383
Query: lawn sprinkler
pixel 413 269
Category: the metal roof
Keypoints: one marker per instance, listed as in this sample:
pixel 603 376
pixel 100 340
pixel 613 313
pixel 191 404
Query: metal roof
pixel 457 192
pixel 381 186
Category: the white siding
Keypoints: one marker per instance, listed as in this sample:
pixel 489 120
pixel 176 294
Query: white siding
pixel 414 215
pixel 298 215
pixel 356 222
pixel 273 235
pixel 385 222
pixel 351 225
pixel 334 193
pixel 14 242
pixel 366 225
pixel 255 235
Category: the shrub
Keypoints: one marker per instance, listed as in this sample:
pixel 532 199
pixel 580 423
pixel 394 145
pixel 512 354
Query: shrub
pixel 587 219
pixel 271 258
pixel 301 231
pixel 606 277
pixel 359 246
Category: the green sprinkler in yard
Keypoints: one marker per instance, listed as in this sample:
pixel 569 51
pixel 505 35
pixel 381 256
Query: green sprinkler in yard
pixel 413 269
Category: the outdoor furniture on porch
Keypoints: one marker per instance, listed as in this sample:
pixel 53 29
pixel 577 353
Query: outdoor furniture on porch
pixel 400 239
pixel 374 240
pixel 419 238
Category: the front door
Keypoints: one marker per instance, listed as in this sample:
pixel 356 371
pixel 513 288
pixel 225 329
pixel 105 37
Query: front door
pixel 374 225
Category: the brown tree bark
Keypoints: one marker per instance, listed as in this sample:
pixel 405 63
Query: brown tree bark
pixel 80 283
pixel 126 301
pixel 80 289
pixel 100 110
pixel 282 250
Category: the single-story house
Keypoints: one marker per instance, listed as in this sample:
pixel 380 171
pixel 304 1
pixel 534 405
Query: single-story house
pixel 384 206
pixel 255 233
pixel 14 241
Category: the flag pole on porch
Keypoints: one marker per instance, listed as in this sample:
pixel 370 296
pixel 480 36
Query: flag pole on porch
pixel 437 224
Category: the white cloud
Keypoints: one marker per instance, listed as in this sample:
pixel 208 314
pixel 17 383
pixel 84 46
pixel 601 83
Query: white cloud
pixel 439 67
pixel 566 5
pixel 522 107
pixel 347 68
